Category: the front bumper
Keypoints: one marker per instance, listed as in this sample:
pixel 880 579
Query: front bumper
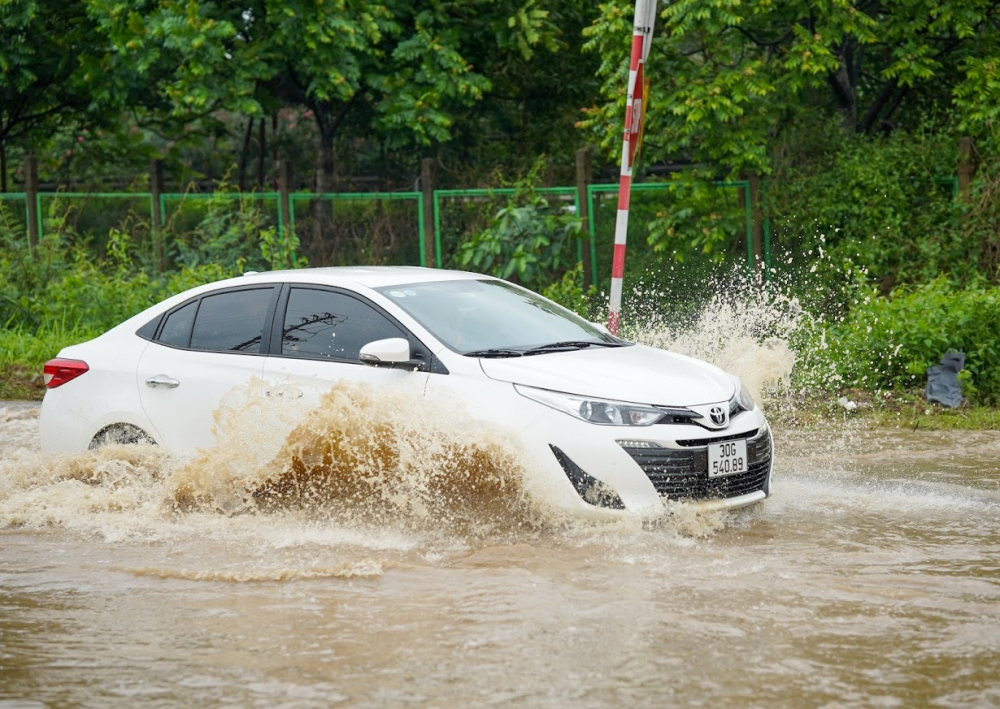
pixel 647 469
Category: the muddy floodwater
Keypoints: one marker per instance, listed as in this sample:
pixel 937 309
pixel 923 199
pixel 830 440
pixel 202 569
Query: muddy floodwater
pixel 871 578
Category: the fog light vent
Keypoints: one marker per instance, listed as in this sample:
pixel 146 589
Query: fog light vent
pixel 592 490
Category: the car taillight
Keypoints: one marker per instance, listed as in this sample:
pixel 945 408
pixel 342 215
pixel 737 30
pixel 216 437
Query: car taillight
pixel 58 371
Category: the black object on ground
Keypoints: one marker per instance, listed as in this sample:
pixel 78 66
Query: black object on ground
pixel 942 380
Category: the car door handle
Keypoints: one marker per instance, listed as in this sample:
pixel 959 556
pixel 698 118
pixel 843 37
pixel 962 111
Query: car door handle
pixel 162 380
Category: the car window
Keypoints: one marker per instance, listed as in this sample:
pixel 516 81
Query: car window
pixel 324 324
pixel 231 321
pixel 177 327
pixel 471 315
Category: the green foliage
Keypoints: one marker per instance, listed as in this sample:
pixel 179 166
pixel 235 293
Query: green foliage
pixel 698 217
pixel 887 342
pixel 63 286
pixel 528 240
pixel 66 286
pixel 980 222
pixel 281 251
pixel 570 293
pixel 400 70
pixel 383 83
pixel 884 208
pixel 25 350
pixel 224 234
pixel 730 77
pixel 50 66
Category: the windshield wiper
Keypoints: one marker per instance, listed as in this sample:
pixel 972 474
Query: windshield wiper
pixel 497 353
pixel 569 345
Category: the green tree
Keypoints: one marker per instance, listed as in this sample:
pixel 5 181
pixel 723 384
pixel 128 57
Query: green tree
pixel 51 71
pixel 535 99
pixel 730 78
pixel 778 87
pixel 391 73
pixel 401 66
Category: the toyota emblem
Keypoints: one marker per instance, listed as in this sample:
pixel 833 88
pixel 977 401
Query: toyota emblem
pixel 718 415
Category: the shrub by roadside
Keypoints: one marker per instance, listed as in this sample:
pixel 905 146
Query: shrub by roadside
pixel 23 353
pixel 887 343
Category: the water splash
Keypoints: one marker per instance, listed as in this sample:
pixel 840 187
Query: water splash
pixel 738 326
pixel 391 464
pixel 360 455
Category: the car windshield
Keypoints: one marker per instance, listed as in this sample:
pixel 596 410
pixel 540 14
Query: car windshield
pixel 490 318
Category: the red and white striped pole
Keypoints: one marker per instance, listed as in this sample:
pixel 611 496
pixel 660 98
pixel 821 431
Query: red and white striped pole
pixel 642 36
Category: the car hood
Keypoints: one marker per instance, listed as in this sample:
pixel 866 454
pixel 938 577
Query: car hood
pixel 636 374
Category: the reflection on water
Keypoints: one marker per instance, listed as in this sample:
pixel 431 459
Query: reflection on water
pixel 871 578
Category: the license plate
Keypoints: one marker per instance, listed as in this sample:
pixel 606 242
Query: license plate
pixel 728 458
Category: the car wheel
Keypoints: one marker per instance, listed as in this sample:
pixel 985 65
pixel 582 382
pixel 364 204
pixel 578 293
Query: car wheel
pixel 120 434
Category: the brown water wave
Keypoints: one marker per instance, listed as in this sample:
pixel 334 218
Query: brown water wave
pixel 356 456
pixel 368 569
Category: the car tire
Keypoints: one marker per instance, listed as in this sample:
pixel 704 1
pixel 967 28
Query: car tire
pixel 120 434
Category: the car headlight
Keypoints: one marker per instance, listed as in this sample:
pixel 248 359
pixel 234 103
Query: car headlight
pixel 599 411
pixel 742 397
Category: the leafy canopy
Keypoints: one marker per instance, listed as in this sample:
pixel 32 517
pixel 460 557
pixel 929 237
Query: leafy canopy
pixel 406 62
pixel 729 77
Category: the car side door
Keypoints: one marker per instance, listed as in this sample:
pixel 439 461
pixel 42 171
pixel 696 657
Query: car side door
pixel 317 339
pixel 200 351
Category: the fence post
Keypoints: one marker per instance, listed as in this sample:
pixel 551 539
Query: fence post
pixel 966 166
pixel 428 257
pixel 584 174
pixel 31 199
pixel 286 220
pixel 155 190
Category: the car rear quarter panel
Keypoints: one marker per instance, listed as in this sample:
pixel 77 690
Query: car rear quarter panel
pixel 75 412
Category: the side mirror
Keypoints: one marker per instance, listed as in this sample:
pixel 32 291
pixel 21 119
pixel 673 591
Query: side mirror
pixel 602 327
pixel 391 352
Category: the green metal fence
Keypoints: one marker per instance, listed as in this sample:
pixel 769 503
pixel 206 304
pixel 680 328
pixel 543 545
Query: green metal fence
pixel 456 212
pixel 374 211
pixel 445 239
pixel 637 233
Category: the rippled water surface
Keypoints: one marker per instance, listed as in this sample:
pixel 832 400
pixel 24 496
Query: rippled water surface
pixel 870 578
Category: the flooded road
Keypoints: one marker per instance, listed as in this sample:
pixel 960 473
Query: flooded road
pixel 871 578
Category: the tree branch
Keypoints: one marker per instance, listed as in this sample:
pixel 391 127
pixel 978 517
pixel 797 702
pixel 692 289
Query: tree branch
pixel 896 102
pixel 884 94
pixel 759 42
pixel 344 111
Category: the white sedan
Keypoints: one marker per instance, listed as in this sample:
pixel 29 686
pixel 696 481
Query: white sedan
pixel 611 425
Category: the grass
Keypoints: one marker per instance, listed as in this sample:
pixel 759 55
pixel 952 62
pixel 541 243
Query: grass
pixel 887 409
pixel 24 352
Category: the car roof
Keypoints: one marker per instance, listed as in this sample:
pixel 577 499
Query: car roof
pixel 368 276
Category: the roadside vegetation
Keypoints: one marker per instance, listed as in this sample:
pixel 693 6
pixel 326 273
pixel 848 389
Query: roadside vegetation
pixel 855 122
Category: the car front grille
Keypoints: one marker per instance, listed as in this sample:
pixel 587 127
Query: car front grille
pixel 683 474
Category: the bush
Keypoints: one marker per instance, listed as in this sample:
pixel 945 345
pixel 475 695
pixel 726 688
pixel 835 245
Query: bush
pixel 697 217
pixel 528 240
pixel 883 207
pixel 887 342
pixel 570 293
pixel 66 287
pixel 67 284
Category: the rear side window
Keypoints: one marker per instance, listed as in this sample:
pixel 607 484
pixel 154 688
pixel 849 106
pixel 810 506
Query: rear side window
pixel 176 330
pixel 323 324
pixel 231 321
